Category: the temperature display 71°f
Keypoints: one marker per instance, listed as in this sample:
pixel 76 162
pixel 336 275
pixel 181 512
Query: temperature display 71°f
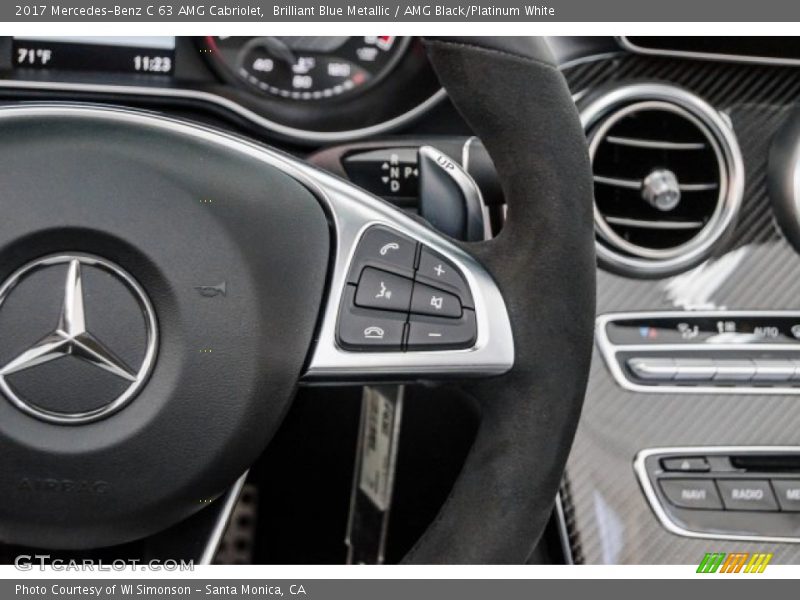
pixel 122 54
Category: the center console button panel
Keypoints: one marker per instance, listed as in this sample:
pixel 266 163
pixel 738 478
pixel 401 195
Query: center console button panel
pixel 704 327
pixel 743 493
pixel 703 352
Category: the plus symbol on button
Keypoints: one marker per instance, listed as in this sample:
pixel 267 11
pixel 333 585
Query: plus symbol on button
pixel 439 270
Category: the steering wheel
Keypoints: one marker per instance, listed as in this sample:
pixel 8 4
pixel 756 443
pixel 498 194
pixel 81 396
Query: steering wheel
pixel 167 286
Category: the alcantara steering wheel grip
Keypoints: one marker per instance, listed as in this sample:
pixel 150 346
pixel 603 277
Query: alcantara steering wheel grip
pixel 515 99
pixel 135 390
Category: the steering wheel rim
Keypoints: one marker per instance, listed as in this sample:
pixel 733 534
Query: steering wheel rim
pixel 544 264
pixel 538 275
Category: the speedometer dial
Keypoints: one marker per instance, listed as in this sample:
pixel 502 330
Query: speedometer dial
pixel 308 68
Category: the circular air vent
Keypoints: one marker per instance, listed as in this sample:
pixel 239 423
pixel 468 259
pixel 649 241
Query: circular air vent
pixel 668 177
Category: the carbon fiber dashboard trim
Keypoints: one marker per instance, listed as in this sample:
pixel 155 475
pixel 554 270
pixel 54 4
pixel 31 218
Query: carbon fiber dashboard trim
pixel 757 269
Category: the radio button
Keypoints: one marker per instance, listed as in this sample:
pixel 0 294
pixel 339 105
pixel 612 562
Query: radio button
pixel 747 494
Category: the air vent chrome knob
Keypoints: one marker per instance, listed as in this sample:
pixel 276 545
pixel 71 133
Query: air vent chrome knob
pixel 660 190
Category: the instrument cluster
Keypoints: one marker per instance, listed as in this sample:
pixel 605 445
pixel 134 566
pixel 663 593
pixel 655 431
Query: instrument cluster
pixel 307 89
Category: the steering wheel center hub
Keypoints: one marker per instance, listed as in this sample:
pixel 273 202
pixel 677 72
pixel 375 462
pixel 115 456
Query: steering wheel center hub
pixel 164 308
pixel 90 361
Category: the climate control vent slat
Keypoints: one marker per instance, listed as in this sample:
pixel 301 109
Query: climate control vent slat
pixel 656 144
pixel 634 184
pixel 667 177
pixel 625 222
pixel 698 187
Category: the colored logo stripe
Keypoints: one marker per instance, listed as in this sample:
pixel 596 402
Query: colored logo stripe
pixel 711 562
pixel 758 563
pixel 735 562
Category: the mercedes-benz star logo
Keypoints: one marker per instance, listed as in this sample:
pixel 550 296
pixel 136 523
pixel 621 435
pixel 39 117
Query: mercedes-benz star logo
pixel 72 338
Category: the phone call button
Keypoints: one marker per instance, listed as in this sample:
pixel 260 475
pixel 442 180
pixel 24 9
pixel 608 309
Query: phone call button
pixel 386 249
pixel 368 329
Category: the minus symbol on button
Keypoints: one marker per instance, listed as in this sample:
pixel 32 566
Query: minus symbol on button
pixel 434 335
